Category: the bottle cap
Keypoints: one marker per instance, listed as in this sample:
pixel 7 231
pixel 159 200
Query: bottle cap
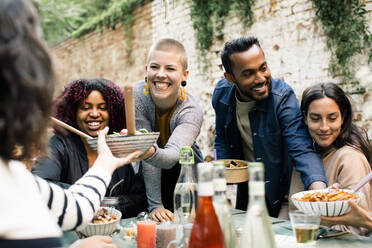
pixel 205 172
pixel 186 155
pixel 218 163
pixel 256 164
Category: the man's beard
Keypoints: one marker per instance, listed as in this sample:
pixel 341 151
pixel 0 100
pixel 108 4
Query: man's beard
pixel 248 93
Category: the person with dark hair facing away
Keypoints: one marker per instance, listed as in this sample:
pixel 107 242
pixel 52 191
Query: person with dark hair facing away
pixel 258 119
pixel 346 152
pixel 90 105
pixel 33 212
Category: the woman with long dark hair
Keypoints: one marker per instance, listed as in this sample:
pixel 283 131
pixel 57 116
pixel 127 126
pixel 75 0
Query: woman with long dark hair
pixel 345 151
pixel 349 134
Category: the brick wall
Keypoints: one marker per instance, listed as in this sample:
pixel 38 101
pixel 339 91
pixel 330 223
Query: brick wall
pixel 104 54
pixel 293 42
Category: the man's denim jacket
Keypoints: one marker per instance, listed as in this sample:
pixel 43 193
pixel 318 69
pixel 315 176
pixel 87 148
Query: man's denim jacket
pixel 280 139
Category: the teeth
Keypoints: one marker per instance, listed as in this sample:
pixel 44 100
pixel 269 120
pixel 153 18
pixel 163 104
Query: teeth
pixel 161 85
pixel 260 88
pixel 93 124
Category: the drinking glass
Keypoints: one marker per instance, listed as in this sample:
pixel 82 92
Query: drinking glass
pixel 304 227
pixel 146 234
pixel 165 233
pixel 182 240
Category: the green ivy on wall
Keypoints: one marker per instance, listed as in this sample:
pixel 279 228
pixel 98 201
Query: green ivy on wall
pixel 208 18
pixel 346 28
pixel 344 22
pixel 122 10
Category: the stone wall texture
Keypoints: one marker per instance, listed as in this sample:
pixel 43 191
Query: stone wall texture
pixel 292 39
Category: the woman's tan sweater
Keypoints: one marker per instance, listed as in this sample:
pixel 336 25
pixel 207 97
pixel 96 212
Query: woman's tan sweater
pixel 346 166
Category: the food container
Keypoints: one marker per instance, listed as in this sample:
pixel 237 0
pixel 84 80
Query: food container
pixel 105 228
pixel 237 174
pixel 324 208
pixel 122 145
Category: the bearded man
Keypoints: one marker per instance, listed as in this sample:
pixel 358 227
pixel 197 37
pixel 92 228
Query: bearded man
pixel 258 118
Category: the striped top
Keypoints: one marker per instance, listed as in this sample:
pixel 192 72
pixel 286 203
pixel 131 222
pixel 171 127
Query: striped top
pixel 34 210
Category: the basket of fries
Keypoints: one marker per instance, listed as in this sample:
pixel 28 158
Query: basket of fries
pixel 236 171
pixel 122 145
pixel 325 202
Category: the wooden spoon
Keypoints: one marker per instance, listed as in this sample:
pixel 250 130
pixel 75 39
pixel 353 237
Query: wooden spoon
pixel 129 109
pixel 72 129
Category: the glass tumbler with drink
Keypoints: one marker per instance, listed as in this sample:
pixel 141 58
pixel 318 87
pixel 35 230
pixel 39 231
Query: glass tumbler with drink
pixel 305 227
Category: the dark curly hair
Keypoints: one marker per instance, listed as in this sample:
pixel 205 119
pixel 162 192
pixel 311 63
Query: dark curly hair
pixel 350 134
pixel 77 91
pixel 26 80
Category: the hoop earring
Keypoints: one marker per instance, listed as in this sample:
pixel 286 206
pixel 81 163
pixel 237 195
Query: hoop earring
pixel 183 91
pixel 146 88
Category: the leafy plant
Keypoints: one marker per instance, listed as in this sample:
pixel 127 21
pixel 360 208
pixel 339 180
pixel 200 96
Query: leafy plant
pixel 346 28
pixel 59 18
pixel 119 10
pixel 64 18
pixel 209 16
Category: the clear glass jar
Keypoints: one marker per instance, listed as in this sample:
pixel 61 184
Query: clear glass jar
pixel 111 201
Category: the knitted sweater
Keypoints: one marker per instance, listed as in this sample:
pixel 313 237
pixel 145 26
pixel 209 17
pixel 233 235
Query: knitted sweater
pixel 185 127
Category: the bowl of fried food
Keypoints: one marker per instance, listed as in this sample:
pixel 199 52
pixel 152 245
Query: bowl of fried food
pixel 105 222
pixel 325 202
pixel 236 171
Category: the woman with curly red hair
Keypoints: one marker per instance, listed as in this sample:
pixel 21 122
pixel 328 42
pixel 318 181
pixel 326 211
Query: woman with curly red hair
pixel 90 105
pixel 76 93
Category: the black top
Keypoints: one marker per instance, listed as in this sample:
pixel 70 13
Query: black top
pixel 68 161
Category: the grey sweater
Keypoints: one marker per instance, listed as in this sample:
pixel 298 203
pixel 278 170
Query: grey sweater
pixel 185 127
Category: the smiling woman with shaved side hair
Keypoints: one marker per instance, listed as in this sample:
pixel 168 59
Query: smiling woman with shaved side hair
pixel 162 105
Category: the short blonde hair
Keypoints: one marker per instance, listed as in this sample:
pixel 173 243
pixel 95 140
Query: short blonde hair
pixel 167 44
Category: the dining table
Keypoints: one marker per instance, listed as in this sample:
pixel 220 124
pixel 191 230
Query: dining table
pixel 284 236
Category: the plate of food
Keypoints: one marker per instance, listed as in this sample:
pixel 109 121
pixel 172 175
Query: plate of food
pixel 326 202
pixel 236 171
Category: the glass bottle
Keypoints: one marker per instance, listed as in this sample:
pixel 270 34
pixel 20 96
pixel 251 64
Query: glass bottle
pixel 185 191
pixel 206 231
pixel 221 204
pixel 258 231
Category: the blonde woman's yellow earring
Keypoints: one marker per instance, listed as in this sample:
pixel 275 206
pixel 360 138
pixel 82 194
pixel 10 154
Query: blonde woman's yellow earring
pixel 146 88
pixel 183 91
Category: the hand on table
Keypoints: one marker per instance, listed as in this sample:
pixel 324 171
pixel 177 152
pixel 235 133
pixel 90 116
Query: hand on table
pixel 161 214
pixel 94 242
pixel 357 217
